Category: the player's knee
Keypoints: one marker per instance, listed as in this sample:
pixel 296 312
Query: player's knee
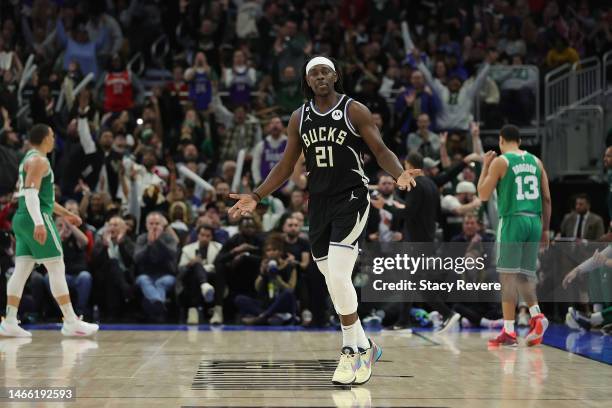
pixel 346 302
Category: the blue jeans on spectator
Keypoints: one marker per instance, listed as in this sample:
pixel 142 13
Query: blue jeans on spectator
pixel 284 302
pixel 81 283
pixel 154 291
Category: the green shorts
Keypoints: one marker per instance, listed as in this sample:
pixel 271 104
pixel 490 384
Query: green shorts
pixel 27 246
pixel 518 242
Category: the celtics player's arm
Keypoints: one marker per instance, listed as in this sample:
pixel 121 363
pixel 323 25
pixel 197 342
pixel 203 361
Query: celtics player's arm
pixel 35 168
pixel 492 171
pixel 546 201
pixel 67 215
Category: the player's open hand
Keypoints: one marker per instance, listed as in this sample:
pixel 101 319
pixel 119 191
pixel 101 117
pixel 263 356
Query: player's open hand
pixel 245 206
pixel 40 234
pixel 569 278
pixel 406 180
pixel 73 219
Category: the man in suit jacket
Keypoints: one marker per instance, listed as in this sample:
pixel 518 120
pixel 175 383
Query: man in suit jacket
pixel 195 266
pixel 581 223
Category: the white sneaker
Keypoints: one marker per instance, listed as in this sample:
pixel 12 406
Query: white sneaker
pixel 193 316
pixel 368 358
pixel 10 328
pixel 306 317
pixel 217 317
pixel 436 319
pixel 349 363
pixel 79 328
pixel 208 292
pixel 570 321
pixel 449 324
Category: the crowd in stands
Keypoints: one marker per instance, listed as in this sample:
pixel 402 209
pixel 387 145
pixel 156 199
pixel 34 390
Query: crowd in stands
pixel 149 163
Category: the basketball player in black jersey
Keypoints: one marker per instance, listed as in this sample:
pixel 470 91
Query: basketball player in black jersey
pixel 332 131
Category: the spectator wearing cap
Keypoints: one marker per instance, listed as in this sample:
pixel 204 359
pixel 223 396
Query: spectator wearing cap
pixel 197 263
pixel 269 151
pixel 454 207
pixel 424 141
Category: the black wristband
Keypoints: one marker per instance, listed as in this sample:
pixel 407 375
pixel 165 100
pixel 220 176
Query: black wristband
pixel 257 195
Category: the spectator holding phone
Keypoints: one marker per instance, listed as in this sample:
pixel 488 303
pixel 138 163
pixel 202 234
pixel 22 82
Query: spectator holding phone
pixel 275 302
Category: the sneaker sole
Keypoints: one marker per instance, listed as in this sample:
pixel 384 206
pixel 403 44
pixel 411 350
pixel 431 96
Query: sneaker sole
pixel 348 383
pixel 78 334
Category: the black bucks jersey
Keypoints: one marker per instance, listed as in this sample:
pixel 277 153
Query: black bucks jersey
pixel 332 148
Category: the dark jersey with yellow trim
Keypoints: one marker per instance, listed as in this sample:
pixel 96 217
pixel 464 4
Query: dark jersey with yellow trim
pixel 333 149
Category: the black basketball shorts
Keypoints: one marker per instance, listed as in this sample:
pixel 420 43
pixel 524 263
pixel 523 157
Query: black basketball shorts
pixel 337 220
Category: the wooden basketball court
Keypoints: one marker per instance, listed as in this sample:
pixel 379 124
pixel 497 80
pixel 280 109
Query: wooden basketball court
pixel 200 367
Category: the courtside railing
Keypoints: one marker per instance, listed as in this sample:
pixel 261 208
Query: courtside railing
pixel 586 81
pixel 557 90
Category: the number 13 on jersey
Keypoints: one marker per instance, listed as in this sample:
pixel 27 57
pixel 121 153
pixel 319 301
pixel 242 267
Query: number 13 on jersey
pixel 325 156
pixel 532 190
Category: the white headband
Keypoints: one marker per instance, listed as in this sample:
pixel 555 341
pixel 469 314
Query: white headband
pixel 319 61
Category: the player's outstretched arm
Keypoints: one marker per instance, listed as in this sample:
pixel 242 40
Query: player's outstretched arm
pixel 279 174
pixel 361 117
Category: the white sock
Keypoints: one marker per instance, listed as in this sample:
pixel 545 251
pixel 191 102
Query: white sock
pixel 362 339
pixel 11 313
pixel 597 307
pixel 349 336
pixel 509 326
pixel 596 319
pixel 534 310
pixel 68 312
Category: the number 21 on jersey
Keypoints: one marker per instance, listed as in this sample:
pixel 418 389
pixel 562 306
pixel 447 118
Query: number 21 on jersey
pixel 527 187
pixel 325 156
